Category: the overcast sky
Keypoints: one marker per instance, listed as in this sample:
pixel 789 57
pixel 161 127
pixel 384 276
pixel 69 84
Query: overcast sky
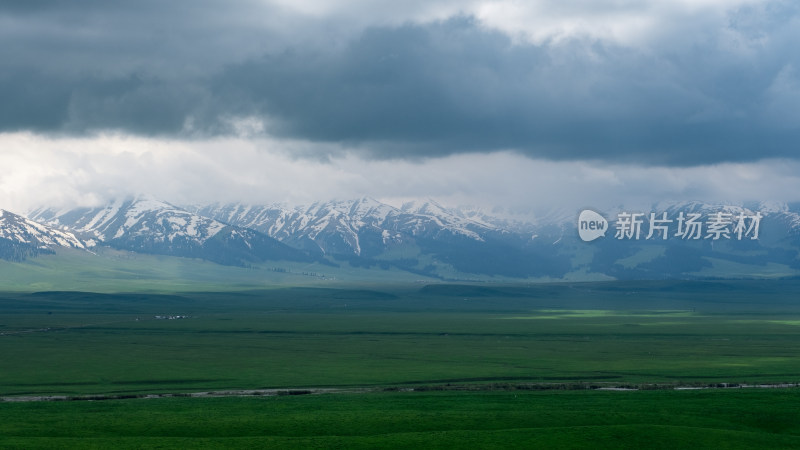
pixel 535 104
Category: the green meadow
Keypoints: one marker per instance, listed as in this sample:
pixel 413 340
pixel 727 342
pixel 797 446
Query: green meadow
pixel 737 419
pixel 433 365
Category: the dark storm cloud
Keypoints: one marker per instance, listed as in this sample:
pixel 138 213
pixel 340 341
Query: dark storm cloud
pixel 40 102
pixel 141 67
pixel 689 96
pixel 454 87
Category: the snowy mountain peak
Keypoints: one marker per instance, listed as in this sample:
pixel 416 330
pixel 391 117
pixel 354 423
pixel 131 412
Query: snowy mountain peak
pixel 694 206
pixel 341 226
pixel 773 207
pixel 427 207
pixel 422 237
pixel 149 225
pixel 18 229
pixel 139 216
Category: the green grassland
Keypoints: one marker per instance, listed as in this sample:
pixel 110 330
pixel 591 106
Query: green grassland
pixel 109 270
pixel 484 365
pixel 75 343
pixel 521 419
pixel 743 419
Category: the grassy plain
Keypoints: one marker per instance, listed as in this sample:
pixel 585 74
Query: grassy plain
pixel 699 332
pixel 506 339
pixel 743 419
pixel 110 270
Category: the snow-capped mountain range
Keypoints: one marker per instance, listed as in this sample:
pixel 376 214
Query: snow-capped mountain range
pixel 144 217
pixel 421 237
pixel 152 226
pixel 21 237
pixel 19 229
pixel 341 226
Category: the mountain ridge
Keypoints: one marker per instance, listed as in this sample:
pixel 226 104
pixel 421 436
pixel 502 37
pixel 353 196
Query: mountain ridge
pixel 147 225
pixel 21 237
pixel 427 238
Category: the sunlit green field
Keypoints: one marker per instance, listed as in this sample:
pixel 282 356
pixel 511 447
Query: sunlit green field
pixel 502 354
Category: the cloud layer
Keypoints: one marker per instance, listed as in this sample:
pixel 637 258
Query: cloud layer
pixel 69 172
pixel 686 83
